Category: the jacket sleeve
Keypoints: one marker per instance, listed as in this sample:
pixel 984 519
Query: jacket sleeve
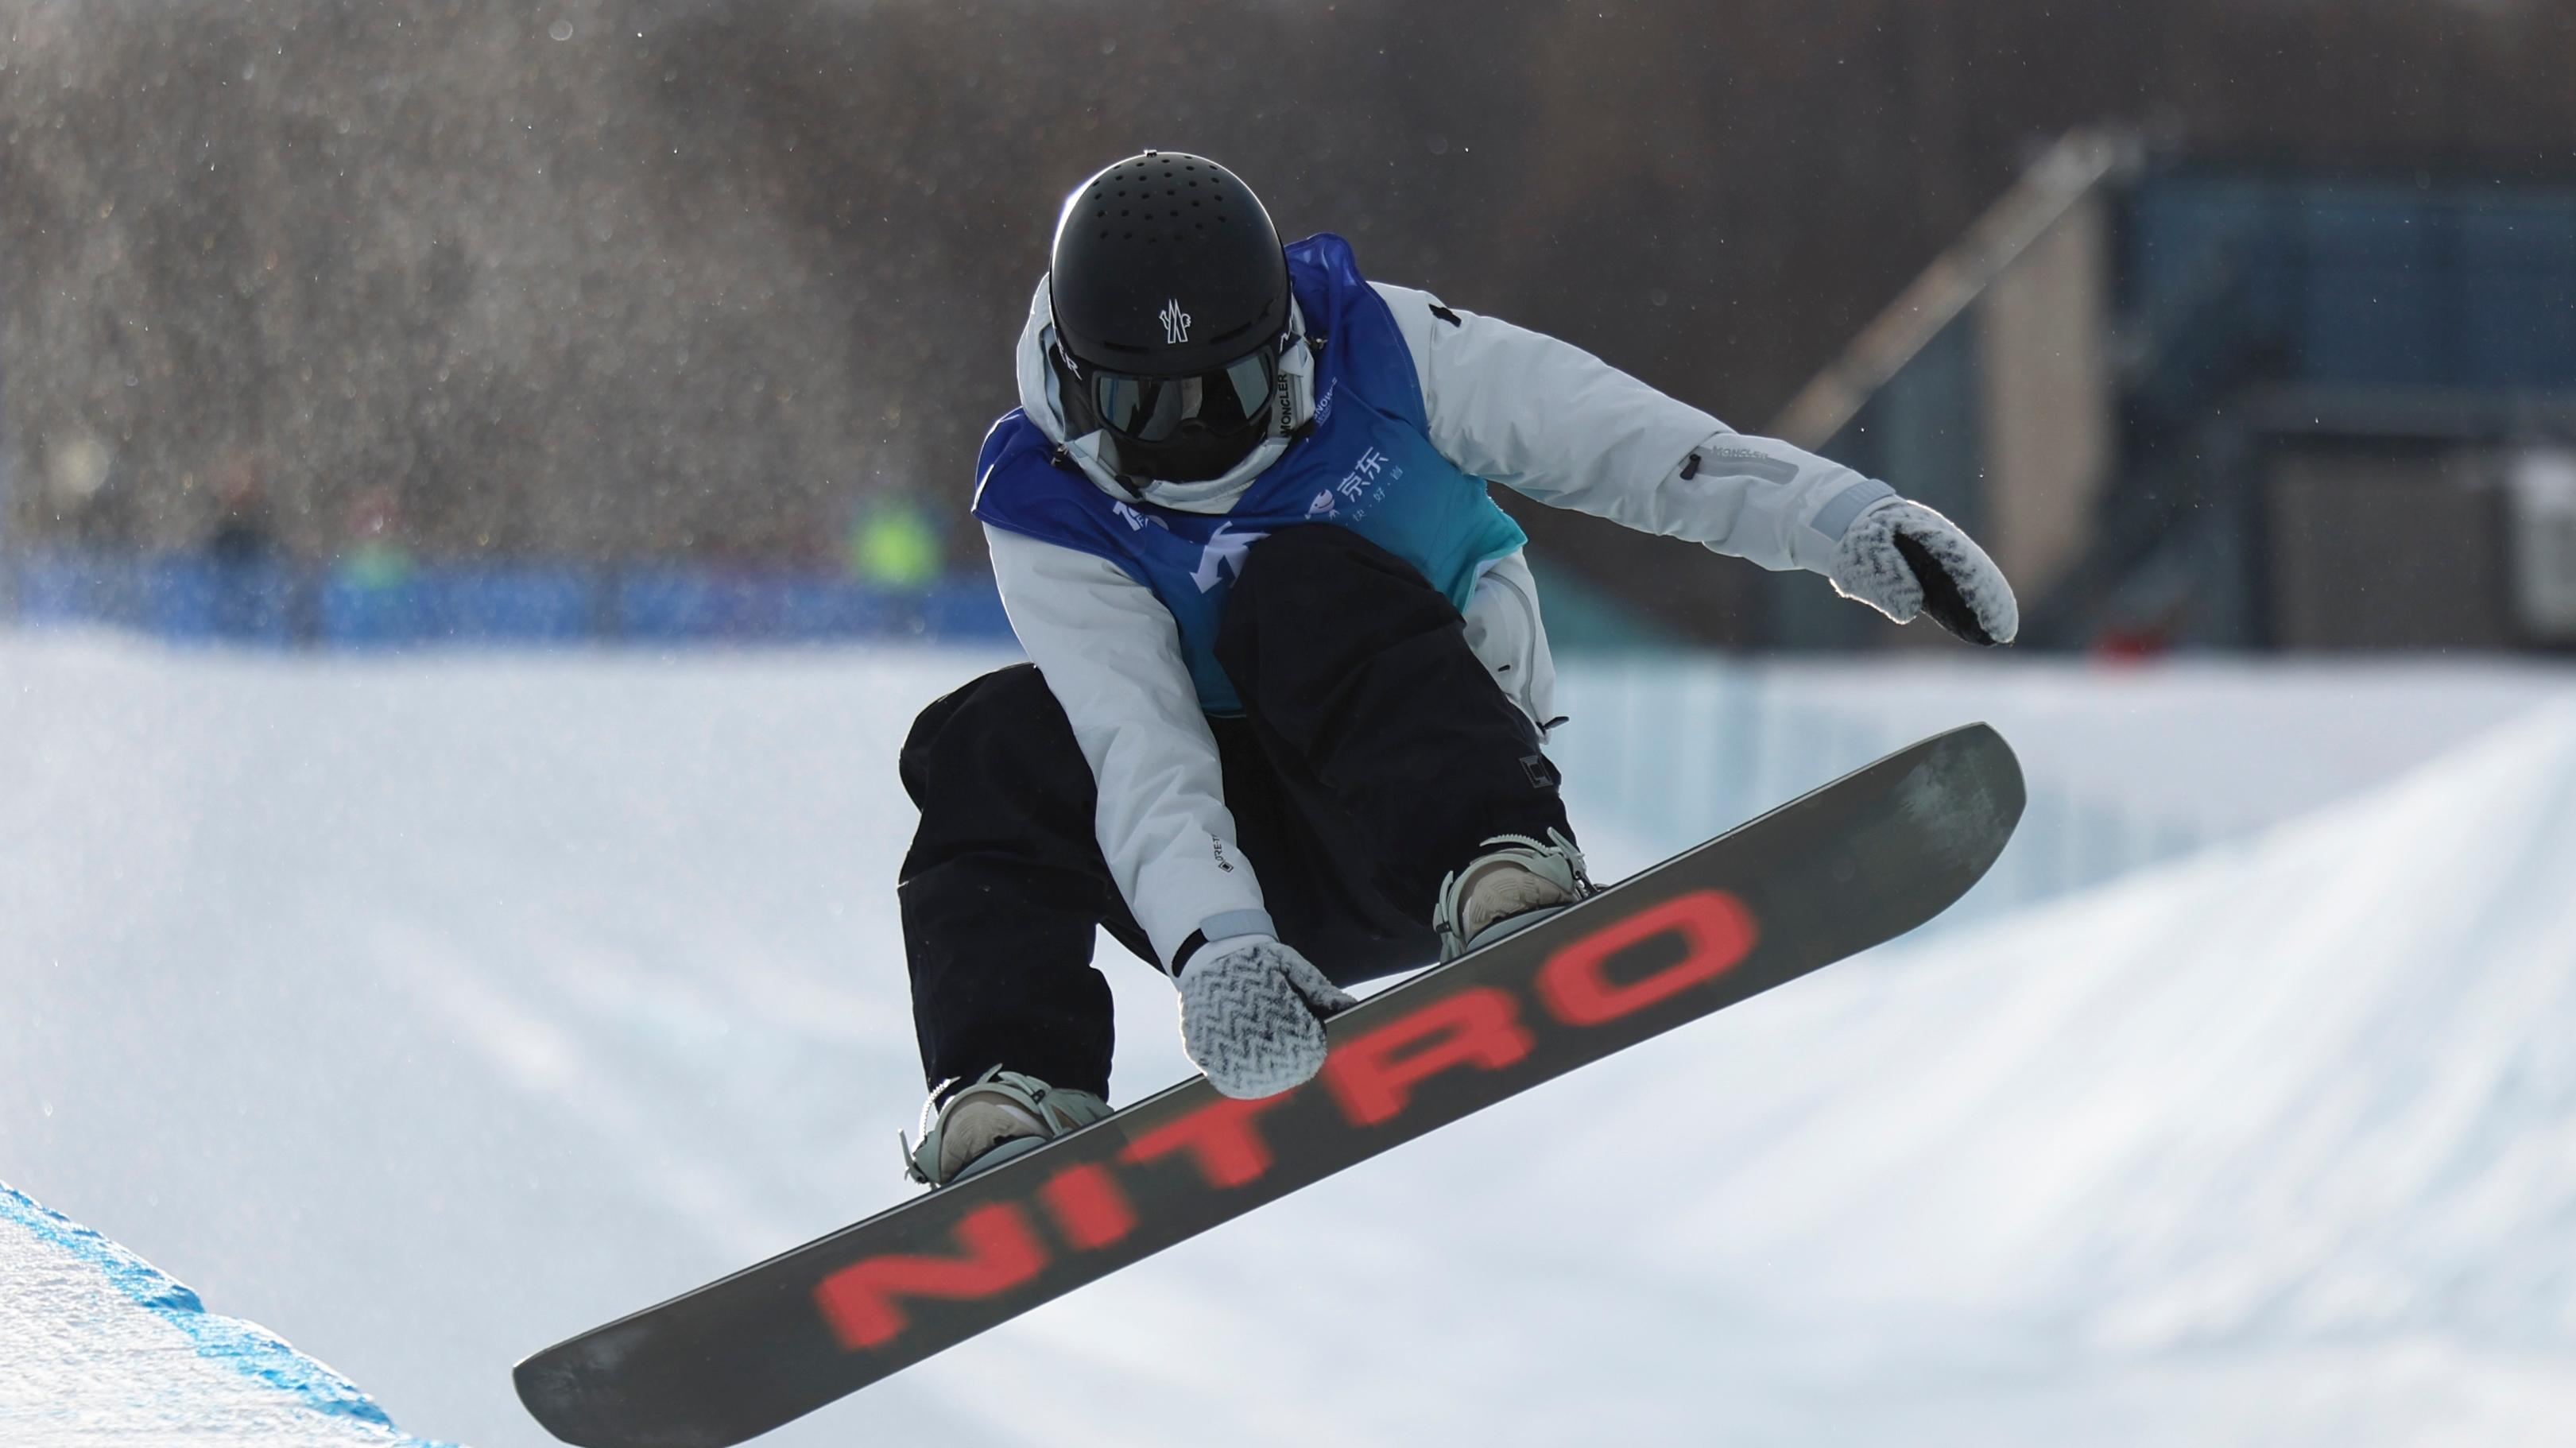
pixel 1551 421
pixel 1112 657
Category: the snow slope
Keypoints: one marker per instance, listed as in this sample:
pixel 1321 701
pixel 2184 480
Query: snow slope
pixel 96 1347
pixel 2213 746
pixel 2129 764
pixel 429 1011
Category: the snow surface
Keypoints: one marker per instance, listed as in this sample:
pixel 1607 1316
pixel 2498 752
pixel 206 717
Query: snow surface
pixel 102 1351
pixel 432 1010
pixel 2129 764
pixel 2213 745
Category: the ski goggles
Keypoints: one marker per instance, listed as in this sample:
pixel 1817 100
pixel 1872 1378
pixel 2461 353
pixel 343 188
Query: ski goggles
pixel 1156 409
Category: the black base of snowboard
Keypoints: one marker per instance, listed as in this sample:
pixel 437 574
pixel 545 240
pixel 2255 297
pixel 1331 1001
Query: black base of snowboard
pixel 1846 867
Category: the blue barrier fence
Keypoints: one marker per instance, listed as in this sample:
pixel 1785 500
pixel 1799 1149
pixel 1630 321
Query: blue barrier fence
pixel 194 599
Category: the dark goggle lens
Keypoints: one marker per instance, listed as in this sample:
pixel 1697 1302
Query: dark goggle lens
pixel 1152 409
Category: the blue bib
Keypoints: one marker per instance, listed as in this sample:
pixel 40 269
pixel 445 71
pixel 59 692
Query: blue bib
pixel 1367 465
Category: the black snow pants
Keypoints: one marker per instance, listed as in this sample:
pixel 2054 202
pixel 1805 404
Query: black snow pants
pixel 1374 756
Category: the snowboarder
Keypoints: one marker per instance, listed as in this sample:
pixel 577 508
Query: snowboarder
pixel 1282 729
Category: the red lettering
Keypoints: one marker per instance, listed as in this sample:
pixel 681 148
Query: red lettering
pixel 1001 1253
pixel 1220 1137
pixel 1374 1075
pixel 1716 931
pixel 1087 1206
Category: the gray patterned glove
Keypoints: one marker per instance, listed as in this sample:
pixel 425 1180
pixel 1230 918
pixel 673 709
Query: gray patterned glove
pixel 1902 559
pixel 1252 1015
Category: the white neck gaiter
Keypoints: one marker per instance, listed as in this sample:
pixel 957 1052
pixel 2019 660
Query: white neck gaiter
pixel 1216 495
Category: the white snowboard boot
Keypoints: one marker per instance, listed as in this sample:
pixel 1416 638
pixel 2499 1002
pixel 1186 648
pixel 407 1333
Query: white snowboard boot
pixel 1000 1115
pixel 1516 883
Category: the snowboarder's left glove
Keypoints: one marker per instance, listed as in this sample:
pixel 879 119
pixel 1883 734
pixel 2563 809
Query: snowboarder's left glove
pixel 1902 558
pixel 1252 1015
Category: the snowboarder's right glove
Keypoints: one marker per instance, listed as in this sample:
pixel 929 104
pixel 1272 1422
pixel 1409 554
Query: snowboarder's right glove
pixel 1252 1015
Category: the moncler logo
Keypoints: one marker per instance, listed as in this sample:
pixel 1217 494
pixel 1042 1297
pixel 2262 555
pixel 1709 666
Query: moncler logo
pixel 1176 323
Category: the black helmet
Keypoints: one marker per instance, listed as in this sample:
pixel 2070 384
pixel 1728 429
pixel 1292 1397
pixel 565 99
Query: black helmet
pixel 1171 307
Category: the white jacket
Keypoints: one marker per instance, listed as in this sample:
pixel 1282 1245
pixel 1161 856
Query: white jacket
pixel 1538 415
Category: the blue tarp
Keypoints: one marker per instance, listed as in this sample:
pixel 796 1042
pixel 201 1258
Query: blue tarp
pixel 2365 282
pixel 194 599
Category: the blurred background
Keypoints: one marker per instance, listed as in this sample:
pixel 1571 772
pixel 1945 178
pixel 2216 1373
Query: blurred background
pixel 2227 325
pixel 483 490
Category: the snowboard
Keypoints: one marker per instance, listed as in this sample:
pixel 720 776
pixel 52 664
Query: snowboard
pixel 1850 865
